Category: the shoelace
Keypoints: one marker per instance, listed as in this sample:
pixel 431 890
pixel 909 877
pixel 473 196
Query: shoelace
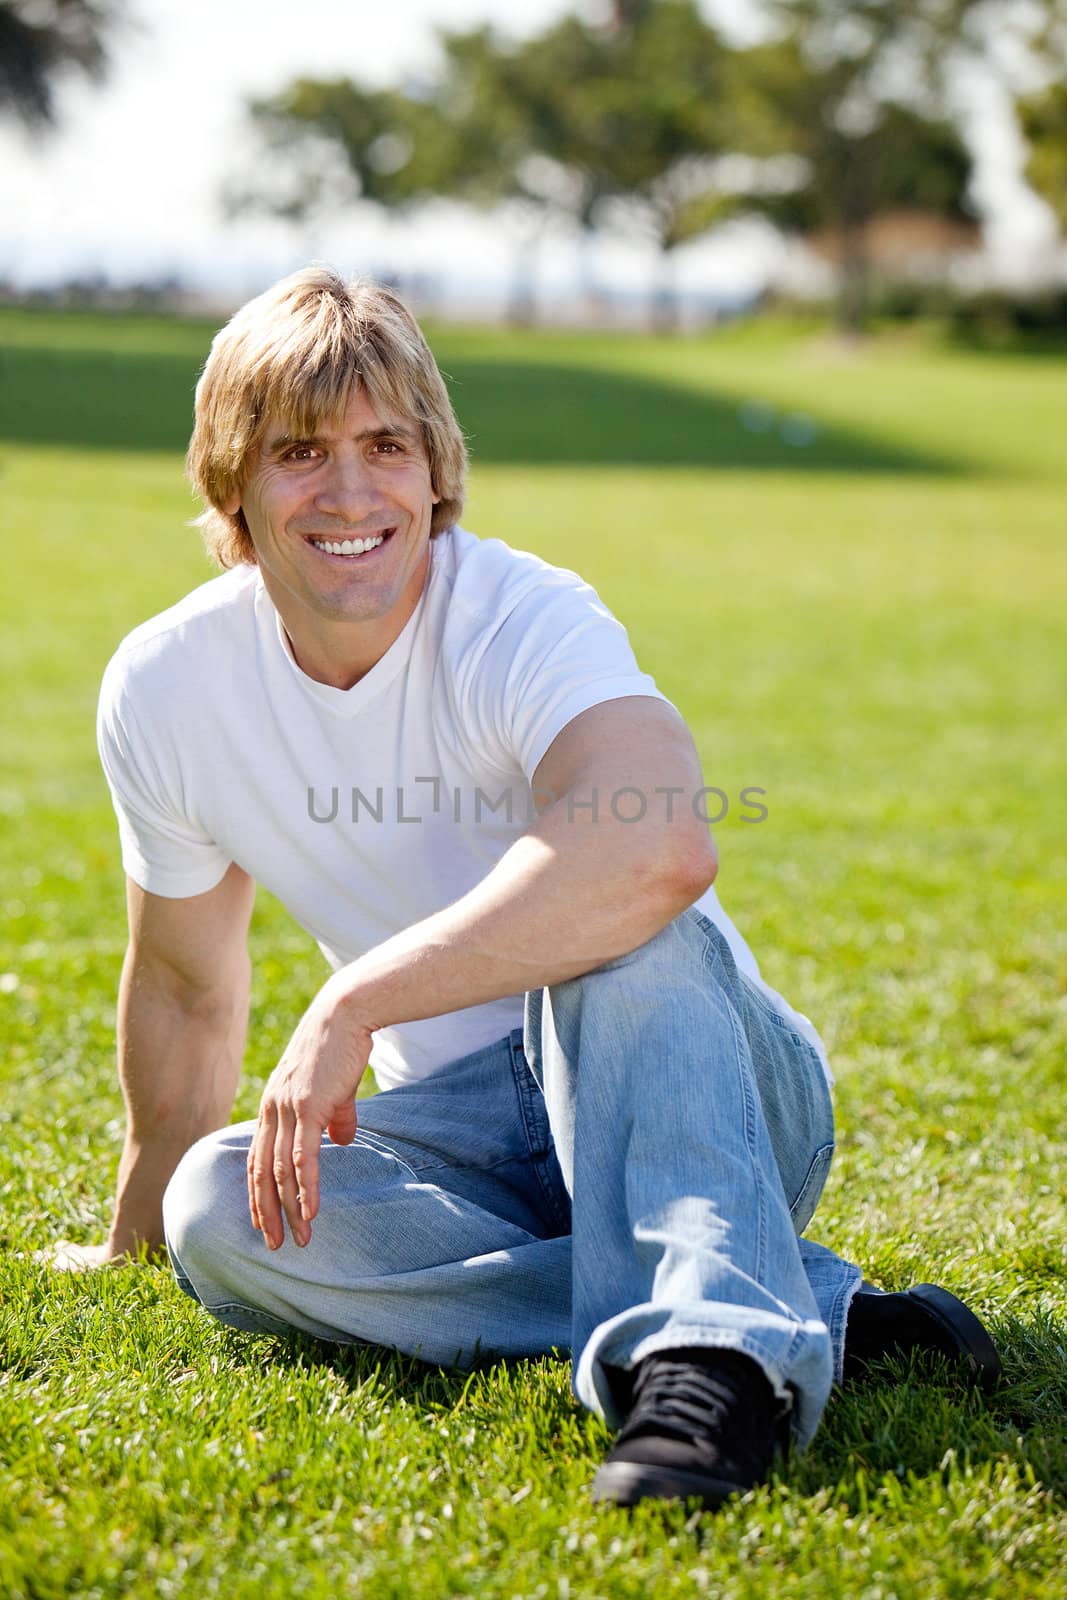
pixel 681 1399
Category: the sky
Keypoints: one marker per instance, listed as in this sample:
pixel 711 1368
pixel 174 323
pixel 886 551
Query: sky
pixel 129 185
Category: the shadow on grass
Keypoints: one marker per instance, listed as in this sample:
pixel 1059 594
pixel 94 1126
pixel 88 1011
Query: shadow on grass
pixel 521 413
pixel 909 1421
pixel 423 1386
pixel 534 413
pixel 912 1418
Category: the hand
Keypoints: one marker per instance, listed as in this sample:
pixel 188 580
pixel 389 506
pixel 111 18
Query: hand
pixel 311 1090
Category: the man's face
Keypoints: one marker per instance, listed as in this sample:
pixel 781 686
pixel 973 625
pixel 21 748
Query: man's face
pixel 363 481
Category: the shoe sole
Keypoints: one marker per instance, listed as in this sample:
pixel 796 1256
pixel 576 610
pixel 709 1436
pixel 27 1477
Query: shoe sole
pixel 626 1483
pixel 969 1340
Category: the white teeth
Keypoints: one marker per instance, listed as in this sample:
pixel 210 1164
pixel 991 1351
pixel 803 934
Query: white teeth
pixel 348 547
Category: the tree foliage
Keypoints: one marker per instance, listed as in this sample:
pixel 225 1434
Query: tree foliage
pixel 40 40
pixel 569 120
pixel 855 92
pixel 856 153
pixel 1043 112
pixel 634 114
pixel 1043 118
pixel 839 116
pixel 328 142
pixel 868 54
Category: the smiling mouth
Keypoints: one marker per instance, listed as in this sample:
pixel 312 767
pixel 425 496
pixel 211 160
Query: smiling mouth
pixel 352 547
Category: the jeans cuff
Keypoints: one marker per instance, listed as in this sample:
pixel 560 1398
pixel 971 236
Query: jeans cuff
pixel 807 1362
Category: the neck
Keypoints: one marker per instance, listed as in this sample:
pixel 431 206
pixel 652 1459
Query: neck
pixel 340 652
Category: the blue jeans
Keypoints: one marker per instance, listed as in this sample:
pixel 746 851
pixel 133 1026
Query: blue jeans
pixel 630 1172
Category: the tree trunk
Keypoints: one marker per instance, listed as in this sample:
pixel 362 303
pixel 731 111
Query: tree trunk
pixel 522 301
pixel 624 13
pixel 665 316
pixel 522 297
pixel 589 298
pixel 853 293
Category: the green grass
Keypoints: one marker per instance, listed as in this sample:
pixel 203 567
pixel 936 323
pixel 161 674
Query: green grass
pixel 869 627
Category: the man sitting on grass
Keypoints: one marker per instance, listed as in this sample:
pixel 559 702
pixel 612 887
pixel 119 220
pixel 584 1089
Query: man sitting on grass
pixel 598 1130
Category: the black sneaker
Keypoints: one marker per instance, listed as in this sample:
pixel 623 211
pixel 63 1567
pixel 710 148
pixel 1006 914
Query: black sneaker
pixel 924 1319
pixel 705 1424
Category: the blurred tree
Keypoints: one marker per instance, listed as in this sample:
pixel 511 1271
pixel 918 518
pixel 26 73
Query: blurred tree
pixel 841 116
pixel 488 135
pixel 865 92
pixel 624 124
pixel 1043 118
pixel 910 47
pixel 1043 111
pixel 331 142
pixel 40 40
pixel 853 92
pixel 626 12
pixel 613 123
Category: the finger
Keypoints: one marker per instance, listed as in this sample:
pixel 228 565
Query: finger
pixel 264 1190
pixel 342 1123
pixel 307 1142
pixel 285 1180
pixel 253 1209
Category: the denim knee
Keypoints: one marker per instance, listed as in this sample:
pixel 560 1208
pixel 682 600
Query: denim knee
pixel 206 1221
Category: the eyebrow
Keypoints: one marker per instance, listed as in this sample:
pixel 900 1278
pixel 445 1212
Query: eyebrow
pixel 274 445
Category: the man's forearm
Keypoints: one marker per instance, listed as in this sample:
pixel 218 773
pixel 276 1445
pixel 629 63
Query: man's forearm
pixel 179 1061
pixel 550 910
pixel 579 889
pixel 568 896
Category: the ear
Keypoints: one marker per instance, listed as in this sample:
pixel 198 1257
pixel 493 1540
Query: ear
pixel 232 505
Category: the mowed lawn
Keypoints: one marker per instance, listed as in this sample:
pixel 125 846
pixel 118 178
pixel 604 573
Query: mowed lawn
pixel 848 570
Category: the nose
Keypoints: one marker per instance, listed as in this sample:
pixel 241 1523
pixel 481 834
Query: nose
pixel 347 488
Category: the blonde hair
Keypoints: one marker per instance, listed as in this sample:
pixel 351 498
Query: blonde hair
pixel 297 352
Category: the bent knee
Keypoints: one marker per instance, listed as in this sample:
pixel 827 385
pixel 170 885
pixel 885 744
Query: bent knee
pixel 206 1219
pixel 659 965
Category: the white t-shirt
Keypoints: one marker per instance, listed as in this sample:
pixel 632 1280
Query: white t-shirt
pixel 365 809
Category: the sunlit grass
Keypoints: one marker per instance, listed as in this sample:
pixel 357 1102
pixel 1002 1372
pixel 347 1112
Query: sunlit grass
pixel 867 626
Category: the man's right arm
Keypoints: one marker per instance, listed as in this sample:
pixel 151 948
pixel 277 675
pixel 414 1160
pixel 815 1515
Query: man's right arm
pixel 182 1018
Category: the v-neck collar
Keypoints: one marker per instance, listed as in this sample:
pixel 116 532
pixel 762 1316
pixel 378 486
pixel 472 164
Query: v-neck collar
pixel 349 702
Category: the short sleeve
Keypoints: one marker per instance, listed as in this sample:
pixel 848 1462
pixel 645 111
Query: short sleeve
pixel 163 851
pixel 556 653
